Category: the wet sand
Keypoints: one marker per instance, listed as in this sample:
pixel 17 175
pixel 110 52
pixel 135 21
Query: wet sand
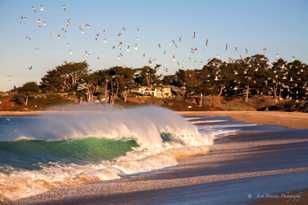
pixel 237 170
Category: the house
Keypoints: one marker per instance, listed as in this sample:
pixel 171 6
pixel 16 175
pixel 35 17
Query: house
pixel 162 92
pixel 158 92
pixel 142 90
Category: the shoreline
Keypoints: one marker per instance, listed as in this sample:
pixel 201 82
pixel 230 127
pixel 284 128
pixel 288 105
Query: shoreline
pixel 230 166
pixel 203 177
pixel 22 113
pixel 296 120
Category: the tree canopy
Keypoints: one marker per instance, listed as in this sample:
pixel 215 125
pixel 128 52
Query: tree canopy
pixel 251 76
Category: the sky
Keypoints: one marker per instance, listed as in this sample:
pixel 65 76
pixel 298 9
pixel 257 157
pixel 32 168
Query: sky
pixel 280 26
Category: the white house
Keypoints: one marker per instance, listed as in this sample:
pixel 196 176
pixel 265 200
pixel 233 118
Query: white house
pixel 158 92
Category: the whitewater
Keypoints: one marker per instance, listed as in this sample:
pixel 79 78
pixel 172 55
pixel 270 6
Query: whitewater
pixel 86 144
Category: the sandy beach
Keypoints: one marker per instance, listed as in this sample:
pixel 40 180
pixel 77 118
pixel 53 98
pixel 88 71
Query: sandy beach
pixel 288 119
pixel 257 161
pixel 22 113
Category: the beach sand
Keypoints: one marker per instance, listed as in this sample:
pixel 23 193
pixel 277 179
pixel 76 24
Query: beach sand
pixel 23 113
pixel 287 119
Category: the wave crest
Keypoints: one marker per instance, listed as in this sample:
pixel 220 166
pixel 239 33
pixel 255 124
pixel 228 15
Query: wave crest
pixel 163 138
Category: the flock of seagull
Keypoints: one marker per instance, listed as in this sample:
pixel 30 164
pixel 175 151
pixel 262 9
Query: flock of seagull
pixel 121 46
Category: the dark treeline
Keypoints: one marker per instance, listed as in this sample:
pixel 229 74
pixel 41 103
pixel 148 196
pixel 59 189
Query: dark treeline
pixel 251 76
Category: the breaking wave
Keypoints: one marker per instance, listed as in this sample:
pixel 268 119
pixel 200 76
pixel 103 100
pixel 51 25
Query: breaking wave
pixel 83 144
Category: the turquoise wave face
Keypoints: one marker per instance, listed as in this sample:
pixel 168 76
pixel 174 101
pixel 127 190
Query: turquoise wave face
pixel 30 154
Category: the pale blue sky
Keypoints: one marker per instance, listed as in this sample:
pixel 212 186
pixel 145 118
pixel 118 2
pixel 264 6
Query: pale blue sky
pixel 278 25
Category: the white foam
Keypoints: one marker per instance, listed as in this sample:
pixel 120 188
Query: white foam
pixel 207 121
pixel 231 126
pixel 24 138
pixel 192 118
pixel 24 183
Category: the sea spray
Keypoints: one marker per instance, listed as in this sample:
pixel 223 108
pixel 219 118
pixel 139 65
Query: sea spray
pixel 72 147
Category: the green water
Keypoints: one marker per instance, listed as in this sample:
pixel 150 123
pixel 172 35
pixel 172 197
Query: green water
pixel 30 154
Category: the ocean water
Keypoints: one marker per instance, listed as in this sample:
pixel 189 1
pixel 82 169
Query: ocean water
pixel 31 154
pixel 87 144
